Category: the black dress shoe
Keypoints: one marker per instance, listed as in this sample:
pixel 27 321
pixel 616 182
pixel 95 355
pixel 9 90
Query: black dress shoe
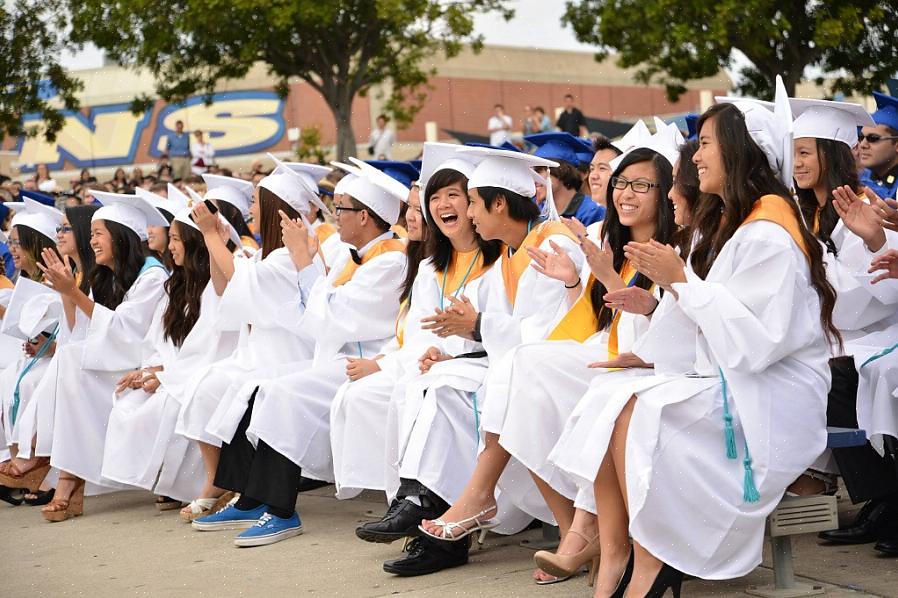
pixel 888 546
pixel 875 521
pixel 401 520
pixel 306 484
pixel 426 556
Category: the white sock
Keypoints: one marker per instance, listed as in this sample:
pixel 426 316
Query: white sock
pixel 415 500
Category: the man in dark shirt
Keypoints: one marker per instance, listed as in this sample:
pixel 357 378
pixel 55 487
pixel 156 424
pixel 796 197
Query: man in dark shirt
pixel 572 120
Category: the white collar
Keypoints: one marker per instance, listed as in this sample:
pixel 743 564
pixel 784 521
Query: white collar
pixel 363 250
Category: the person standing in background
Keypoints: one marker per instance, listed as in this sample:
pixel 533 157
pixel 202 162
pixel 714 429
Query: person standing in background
pixel 178 148
pixel 571 120
pixel 499 126
pixel 202 154
pixel 380 143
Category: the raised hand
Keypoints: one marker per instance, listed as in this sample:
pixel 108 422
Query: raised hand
pixel 659 262
pixel 888 262
pixel 556 264
pixel 600 260
pixel 575 227
pixel 57 274
pixel 862 219
pixel 204 219
pixel 296 239
pixel 632 300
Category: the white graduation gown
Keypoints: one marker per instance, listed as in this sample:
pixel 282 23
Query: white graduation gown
pixel 88 371
pixel 29 381
pixel 356 319
pixel 439 414
pixel 141 444
pixel 757 318
pixel 259 302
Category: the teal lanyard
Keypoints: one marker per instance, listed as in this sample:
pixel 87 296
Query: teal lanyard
pixel 749 490
pixel 879 354
pixel 14 411
pixel 463 280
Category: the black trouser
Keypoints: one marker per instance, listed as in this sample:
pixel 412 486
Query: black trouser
pixel 260 473
pixel 867 475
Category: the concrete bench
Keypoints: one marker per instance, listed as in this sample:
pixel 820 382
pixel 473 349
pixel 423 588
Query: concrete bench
pixel 802 515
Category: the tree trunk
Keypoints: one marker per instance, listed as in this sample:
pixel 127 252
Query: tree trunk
pixel 342 112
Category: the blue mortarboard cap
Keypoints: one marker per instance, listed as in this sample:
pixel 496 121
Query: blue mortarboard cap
pixel 416 164
pixel 403 172
pixel 47 200
pixel 560 146
pixel 887 110
pixel 691 124
pixel 506 145
pixel 325 191
pixel 4 212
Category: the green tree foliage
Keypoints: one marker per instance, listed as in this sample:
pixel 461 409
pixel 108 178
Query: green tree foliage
pixel 673 41
pixel 340 47
pixel 29 69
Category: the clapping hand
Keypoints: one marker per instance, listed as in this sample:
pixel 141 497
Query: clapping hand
pixel 430 357
pixel 557 265
pixel 632 300
pixel 864 220
pixel 459 319
pixel 888 261
pixel 659 262
pixel 58 275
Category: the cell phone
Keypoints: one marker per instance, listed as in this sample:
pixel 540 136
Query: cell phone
pixel 212 208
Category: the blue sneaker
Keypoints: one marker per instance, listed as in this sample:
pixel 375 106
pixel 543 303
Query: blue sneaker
pixel 270 529
pixel 228 518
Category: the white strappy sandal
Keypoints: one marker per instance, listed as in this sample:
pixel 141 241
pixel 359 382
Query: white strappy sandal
pixel 200 507
pixel 448 527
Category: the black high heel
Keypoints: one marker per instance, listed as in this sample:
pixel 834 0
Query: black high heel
pixel 667 577
pixel 624 579
pixel 11 495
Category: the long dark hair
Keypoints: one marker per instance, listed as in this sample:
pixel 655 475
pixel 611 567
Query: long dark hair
pixel 686 183
pixel 164 256
pixel 416 252
pixel 129 252
pixel 185 287
pixel 33 244
pixel 234 217
pixel 616 235
pixel 439 247
pixel 270 220
pixel 747 178
pixel 837 168
pixel 79 218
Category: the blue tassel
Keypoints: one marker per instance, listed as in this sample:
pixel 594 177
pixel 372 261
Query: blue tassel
pixel 729 436
pixel 749 490
pixel 14 411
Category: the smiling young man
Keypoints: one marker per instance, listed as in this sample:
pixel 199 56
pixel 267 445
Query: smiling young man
pixel 878 148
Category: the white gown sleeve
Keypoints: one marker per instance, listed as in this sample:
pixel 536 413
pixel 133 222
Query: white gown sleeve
pixel 858 303
pixel 114 340
pixel 746 316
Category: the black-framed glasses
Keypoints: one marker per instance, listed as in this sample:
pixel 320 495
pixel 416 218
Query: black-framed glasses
pixel 339 210
pixel 62 229
pixel 874 137
pixel 619 182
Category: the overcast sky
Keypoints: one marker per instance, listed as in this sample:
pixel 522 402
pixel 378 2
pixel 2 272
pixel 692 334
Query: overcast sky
pixel 537 24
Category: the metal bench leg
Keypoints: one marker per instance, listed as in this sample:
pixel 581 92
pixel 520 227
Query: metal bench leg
pixel 784 584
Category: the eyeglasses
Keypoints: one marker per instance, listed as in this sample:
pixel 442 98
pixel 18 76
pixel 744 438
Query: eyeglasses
pixel 64 229
pixel 874 137
pixel 13 243
pixel 619 182
pixel 339 210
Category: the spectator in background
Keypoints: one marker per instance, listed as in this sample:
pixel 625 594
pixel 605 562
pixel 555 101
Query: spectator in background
pixel 600 168
pixel 43 180
pixel 536 121
pixel 136 177
pixel 177 147
pixel 86 177
pixel 165 173
pixel 202 154
pixel 9 266
pixel 120 180
pixel 380 143
pixel 571 120
pixel 499 126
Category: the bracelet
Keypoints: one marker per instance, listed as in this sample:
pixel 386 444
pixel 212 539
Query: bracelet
pixel 657 303
pixel 575 285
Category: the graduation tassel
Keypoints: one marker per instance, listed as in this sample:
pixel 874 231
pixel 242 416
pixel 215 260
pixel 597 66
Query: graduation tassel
pixel 729 435
pixel 14 410
pixel 749 490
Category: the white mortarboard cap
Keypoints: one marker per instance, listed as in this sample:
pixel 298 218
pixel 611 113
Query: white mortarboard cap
pixel 287 185
pixel 184 218
pixel 36 216
pixel 173 204
pixel 131 211
pixel 30 310
pixel 309 174
pixel 505 169
pixel 666 141
pixel 378 191
pixel 442 156
pixel 48 186
pixel 770 126
pixel 231 190
pixel 195 197
pixel 351 173
pixel 824 119
pixel 638 134
pixel 180 199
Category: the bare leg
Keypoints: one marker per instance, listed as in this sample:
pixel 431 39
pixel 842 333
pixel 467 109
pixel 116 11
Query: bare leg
pixel 479 493
pixel 210 454
pixel 611 504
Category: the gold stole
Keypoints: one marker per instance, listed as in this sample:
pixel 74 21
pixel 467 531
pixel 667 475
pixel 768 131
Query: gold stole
pixel 249 242
pixel 514 267
pixel 774 208
pixel 400 322
pixel 459 267
pixel 5 283
pixel 399 231
pixel 627 273
pixel 380 248
pixel 324 232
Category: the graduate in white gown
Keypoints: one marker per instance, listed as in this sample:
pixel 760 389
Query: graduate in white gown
pixel 125 289
pixel 523 418
pixel 141 447
pixel 439 421
pixel 258 300
pixel 747 322
pixel 283 430
pixel 234 198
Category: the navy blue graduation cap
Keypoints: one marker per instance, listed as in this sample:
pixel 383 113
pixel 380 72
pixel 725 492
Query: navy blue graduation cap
pixel 691 124
pixel 416 164
pixel 887 110
pixel 4 211
pixel 403 172
pixel 506 145
pixel 47 200
pixel 560 146
pixel 325 191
